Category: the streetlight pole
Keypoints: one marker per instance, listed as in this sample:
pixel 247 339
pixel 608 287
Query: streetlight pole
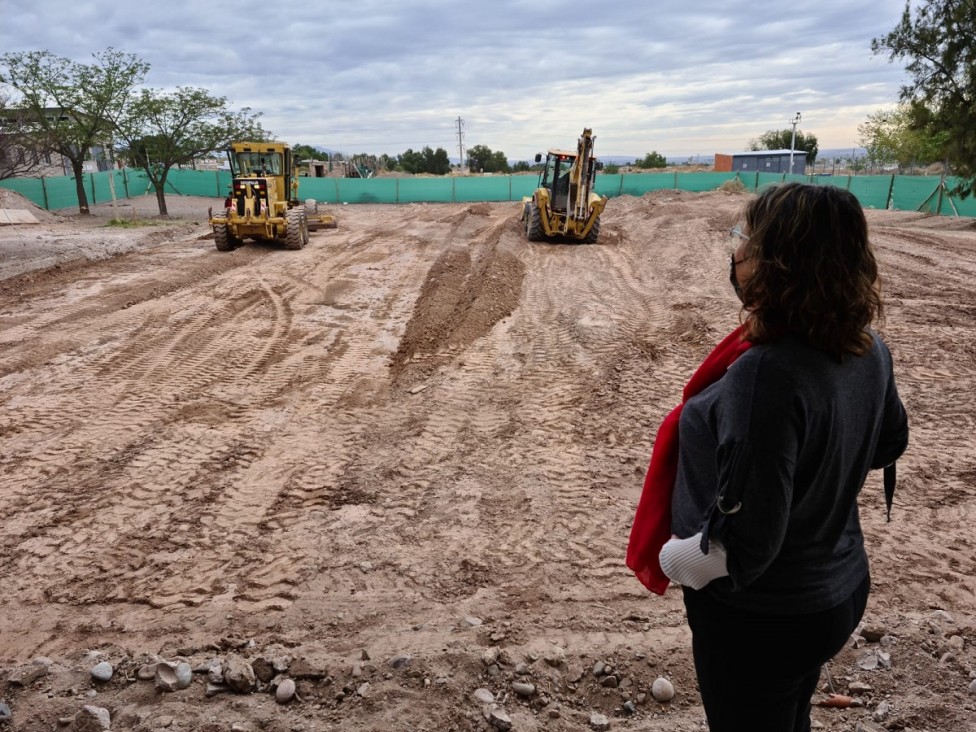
pixel 793 141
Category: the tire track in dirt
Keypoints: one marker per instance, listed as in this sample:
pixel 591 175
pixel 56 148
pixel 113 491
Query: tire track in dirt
pixel 322 490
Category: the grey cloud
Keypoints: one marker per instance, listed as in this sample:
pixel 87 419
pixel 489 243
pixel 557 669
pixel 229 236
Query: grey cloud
pixel 382 76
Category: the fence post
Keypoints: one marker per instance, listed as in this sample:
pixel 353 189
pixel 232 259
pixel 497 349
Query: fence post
pixel 891 190
pixel 125 182
pixel 44 192
pixel 396 190
pixel 217 181
pixel 91 177
pixel 676 181
pixel 453 189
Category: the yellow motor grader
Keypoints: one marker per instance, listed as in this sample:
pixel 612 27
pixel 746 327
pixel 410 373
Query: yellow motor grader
pixel 564 206
pixel 263 201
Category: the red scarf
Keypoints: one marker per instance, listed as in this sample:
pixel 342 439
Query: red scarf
pixel 652 523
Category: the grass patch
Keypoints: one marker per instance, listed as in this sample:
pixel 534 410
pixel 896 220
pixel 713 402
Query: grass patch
pixel 735 185
pixel 130 223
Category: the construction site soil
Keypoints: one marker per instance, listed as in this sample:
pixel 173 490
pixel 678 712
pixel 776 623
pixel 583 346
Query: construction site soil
pixel 399 467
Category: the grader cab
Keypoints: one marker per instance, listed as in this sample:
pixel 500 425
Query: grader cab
pixel 263 202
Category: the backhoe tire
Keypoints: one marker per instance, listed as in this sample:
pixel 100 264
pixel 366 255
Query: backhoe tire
pixel 594 233
pixel 533 224
pixel 296 236
pixel 223 239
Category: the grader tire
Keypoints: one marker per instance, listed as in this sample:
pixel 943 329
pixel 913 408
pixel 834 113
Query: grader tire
pixel 533 224
pixel 296 236
pixel 224 240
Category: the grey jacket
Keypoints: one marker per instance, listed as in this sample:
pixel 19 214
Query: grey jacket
pixel 783 443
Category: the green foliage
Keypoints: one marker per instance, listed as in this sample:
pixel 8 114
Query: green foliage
pixel 163 130
pixel 427 160
pixel 781 139
pixel 307 152
pixel 611 169
pixel 889 136
pixel 522 166
pixel 117 223
pixel 938 40
pixel 653 159
pixel 481 159
pixel 87 101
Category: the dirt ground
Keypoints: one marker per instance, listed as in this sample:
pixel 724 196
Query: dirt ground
pixel 399 467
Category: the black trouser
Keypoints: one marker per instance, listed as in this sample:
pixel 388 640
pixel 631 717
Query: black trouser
pixel 757 671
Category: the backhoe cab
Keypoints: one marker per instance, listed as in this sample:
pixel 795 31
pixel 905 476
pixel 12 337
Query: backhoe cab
pixel 564 206
pixel 263 201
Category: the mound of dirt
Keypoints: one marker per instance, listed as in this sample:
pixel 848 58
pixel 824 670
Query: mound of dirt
pixel 13 200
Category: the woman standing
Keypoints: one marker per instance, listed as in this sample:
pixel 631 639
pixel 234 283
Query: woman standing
pixel 771 456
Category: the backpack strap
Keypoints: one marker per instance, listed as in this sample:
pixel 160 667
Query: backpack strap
pixel 889 487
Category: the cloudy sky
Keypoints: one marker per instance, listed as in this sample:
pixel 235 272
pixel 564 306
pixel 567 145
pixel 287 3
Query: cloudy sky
pixel 382 76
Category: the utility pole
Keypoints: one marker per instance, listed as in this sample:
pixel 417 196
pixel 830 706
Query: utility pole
pixel 794 122
pixel 460 124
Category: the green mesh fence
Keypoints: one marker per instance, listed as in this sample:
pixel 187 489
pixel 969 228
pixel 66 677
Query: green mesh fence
pixel 913 193
pixel 702 181
pixel 953 205
pixel 637 184
pixel 439 190
pixel 483 188
pixel 873 191
pixel 903 193
pixel 325 190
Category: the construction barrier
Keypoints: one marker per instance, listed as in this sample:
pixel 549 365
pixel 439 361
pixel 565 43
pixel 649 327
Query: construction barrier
pixel 898 192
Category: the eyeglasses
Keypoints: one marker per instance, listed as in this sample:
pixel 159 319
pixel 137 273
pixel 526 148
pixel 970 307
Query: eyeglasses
pixel 736 233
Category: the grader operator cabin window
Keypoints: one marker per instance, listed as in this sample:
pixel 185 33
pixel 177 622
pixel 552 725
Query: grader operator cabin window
pixel 257 163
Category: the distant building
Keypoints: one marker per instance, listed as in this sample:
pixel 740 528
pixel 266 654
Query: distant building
pixel 763 161
pixel 20 157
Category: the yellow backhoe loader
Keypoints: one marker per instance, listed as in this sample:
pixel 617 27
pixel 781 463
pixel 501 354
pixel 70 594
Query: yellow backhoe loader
pixel 263 201
pixel 564 206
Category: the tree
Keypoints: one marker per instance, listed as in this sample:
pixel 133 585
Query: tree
pixel 939 42
pixel 498 163
pixel 307 152
pixel 19 154
pixel 781 139
pixel 162 130
pixel 427 160
pixel 479 158
pixel 653 159
pixel 411 161
pixel 70 107
pixel 521 166
pixel 890 137
pixel 436 161
pixel 482 159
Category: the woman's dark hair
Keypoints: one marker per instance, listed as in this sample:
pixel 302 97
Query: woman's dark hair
pixel 815 273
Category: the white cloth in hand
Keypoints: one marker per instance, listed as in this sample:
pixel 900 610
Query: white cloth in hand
pixel 682 560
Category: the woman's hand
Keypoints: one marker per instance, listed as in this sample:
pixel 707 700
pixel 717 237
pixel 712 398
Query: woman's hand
pixel 682 561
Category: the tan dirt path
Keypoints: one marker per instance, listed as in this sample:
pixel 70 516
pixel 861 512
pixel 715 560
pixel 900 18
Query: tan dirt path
pixel 418 420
